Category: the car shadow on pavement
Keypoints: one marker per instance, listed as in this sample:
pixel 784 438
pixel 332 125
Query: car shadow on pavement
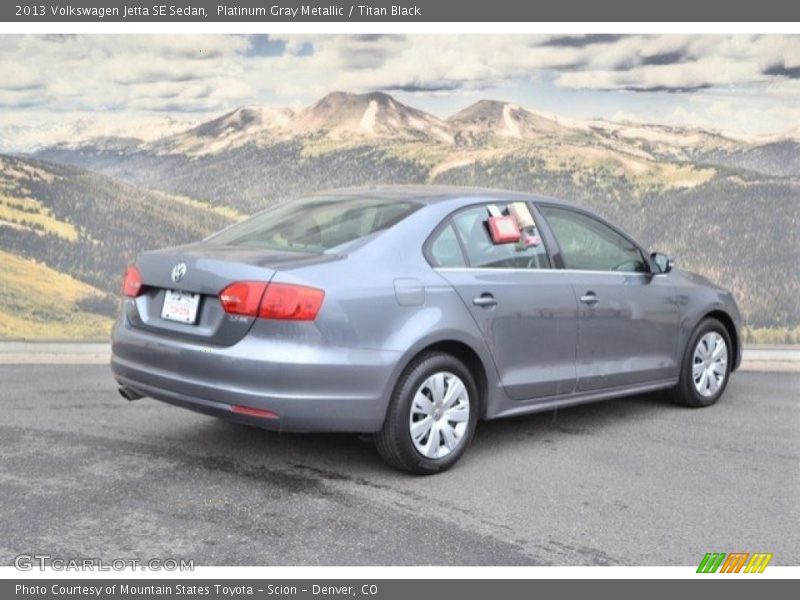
pixel 582 418
pixel 339 455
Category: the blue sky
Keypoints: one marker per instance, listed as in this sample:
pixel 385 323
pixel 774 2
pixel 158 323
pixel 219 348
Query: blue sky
pixel 73 85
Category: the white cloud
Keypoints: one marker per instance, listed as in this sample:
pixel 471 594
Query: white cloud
pixel 43 128
pixel 205 74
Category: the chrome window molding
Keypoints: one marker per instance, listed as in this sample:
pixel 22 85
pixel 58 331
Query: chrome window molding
pixel 500 269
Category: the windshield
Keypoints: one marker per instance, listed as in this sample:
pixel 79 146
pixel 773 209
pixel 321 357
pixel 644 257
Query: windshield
pixel 316 224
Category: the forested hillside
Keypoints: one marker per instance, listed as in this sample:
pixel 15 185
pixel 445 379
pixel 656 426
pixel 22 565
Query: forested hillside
pixel 88 226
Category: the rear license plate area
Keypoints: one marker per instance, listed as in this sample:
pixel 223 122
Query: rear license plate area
pixel 180 306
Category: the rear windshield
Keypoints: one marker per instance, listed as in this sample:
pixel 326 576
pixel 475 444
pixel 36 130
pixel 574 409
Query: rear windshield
pixel 316 224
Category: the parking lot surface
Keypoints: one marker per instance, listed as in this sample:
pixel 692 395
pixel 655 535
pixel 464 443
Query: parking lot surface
pixel 83 473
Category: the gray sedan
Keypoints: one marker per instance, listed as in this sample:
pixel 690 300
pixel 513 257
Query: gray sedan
pixel 411 313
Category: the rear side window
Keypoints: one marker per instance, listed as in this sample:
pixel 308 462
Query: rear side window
pixel 316 224
pixel 445 250
pixel 589 245
pixel 483 253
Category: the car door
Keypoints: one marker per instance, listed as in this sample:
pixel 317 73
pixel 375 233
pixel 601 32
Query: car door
pixel 628 317
pixel 526 311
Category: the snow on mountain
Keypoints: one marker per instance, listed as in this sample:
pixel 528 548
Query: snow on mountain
pixel 338 116
pixel 663 134
pixel 237 128
pixel 491 117
pixel 375 115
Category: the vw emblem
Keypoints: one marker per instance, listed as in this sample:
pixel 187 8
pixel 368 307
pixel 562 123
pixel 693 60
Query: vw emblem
pixel 178 272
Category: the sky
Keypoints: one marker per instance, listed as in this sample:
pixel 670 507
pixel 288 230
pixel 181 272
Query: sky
pixel 59 87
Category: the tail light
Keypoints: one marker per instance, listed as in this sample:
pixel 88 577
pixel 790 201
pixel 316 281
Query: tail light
pixel 132 284
pixel 242 298
pixel 272 301
pixel 291 302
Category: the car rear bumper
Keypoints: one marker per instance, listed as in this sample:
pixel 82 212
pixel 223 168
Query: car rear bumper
pixel 309 387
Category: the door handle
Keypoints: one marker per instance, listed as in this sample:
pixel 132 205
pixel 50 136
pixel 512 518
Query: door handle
pixel 486 300
pixel 590 298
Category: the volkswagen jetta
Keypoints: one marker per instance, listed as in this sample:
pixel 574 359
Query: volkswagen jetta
pixel 412 313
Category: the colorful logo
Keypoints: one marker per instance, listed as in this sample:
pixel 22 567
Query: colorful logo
pixel 737 562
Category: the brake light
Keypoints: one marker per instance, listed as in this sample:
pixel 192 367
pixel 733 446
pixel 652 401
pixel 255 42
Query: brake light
pixel 291 302
pixel 132 284
pixel 242 298
pixel 272 301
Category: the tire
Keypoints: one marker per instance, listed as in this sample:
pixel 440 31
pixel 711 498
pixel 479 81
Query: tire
pixel 432 375
pixel 705 392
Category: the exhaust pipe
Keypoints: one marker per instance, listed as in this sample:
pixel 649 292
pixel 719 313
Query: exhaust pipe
pixel 129 394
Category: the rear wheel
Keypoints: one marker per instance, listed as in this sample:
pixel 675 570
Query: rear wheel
pixel 706 366
pixel 431 417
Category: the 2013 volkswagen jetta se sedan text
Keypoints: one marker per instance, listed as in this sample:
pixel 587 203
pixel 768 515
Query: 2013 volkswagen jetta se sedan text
pixel 411 313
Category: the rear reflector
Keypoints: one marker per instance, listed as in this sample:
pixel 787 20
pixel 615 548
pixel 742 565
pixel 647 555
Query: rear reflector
pixel 272 301
pixel 254 412
pixel 242 298
pixel 132 284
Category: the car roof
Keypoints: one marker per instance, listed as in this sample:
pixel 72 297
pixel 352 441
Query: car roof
pixel 431 194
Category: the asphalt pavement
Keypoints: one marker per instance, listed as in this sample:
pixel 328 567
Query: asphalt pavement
pixel 637 481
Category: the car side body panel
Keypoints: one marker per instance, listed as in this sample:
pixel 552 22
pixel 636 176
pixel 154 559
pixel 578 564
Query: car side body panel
pixel 531 330
pixel 630 335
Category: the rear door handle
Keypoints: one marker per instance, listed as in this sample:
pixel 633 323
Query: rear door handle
pixel 485 300
pixel 590 298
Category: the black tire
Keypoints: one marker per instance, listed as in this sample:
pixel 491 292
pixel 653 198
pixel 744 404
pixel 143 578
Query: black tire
pixel 394 443
pixel 685 393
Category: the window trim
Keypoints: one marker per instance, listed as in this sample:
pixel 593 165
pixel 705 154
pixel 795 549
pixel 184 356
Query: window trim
pixel 562 263
pixel 448 220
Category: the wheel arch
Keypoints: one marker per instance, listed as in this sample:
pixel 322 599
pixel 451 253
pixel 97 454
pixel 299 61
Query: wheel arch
pixel 730 327
pixel 727 321
pixel 477 362
pixel 472 361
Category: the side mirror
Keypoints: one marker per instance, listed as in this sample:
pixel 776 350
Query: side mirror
pixel 662 262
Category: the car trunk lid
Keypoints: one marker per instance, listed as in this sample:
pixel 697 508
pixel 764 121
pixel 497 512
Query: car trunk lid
pixel 204 269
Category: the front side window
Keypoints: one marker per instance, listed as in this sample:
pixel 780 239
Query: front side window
pixel 483 253
pixel 316 224
pixel 589 245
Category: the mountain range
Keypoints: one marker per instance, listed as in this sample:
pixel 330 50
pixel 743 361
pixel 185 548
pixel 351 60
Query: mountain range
pixel 725 207
pixel 345 117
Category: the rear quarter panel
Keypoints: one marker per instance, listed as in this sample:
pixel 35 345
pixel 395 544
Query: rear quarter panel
pixel 386 297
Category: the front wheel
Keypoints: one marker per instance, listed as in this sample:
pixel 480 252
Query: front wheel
pixel 706 366
pixel 431 417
